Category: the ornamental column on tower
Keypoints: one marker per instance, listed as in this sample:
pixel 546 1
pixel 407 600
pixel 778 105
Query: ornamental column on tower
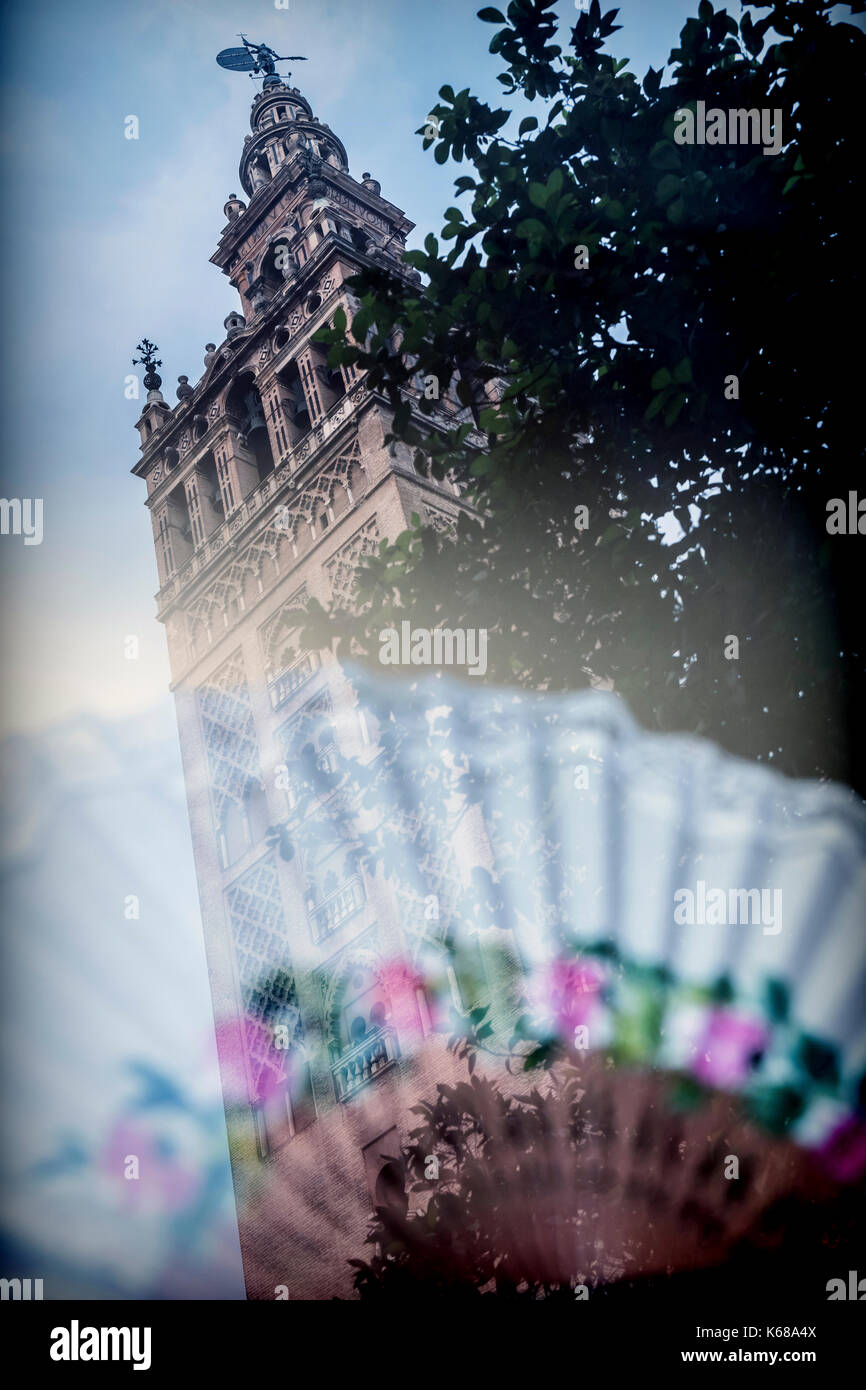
pixel 267 481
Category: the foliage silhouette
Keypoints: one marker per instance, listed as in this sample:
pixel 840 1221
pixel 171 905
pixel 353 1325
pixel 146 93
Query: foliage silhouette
pixel 605 386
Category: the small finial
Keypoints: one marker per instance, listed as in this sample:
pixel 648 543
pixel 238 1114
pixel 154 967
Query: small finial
pixel 234 207
pixel 183 388
pixel 150 362
pixel 234 323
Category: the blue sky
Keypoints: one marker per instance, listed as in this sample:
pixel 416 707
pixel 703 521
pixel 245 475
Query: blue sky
pixel 108 239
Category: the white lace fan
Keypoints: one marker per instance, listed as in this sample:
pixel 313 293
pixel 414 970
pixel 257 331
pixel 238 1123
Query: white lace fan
pixel 677 932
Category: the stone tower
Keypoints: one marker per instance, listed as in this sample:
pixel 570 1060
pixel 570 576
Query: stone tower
pixel 266 482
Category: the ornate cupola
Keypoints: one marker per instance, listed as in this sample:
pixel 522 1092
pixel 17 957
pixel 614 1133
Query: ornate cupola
pixel 295 173
pixel 283 124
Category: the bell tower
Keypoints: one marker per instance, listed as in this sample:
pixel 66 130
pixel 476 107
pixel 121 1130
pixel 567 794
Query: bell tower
pixel 266 483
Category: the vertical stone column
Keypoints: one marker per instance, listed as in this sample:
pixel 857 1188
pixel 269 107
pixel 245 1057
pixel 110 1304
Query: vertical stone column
pixel 273 412
pixel 224 477
pixel 192 502
pixel 203 515
pixel 310 383
pixel 162 542
pixel 236 469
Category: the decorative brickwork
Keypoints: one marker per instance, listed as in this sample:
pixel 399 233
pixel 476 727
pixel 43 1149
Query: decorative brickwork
pixel 229 733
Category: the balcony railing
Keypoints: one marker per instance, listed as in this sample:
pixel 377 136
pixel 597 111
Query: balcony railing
pixel 360 1064
pixel 293 678
pixel 336 908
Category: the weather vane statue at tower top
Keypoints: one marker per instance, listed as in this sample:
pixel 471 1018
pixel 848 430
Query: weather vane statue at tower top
pixel 256 59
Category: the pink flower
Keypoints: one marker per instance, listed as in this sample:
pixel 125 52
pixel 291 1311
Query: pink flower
pixel 230 1049
pixel 726 1047
pixel 843 1153
pixel 237 1039
pixel 568 994
pixel 399 981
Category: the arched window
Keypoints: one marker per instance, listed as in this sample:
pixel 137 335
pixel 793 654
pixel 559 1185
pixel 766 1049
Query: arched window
pixel 260 173
pixel 293 403
pixel 244 405
pixel 278 263
pixel 289 1109
pixel 178 525
pixel 210 493
pixel 302 1100
pixel 359 238
pixel 364 1008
